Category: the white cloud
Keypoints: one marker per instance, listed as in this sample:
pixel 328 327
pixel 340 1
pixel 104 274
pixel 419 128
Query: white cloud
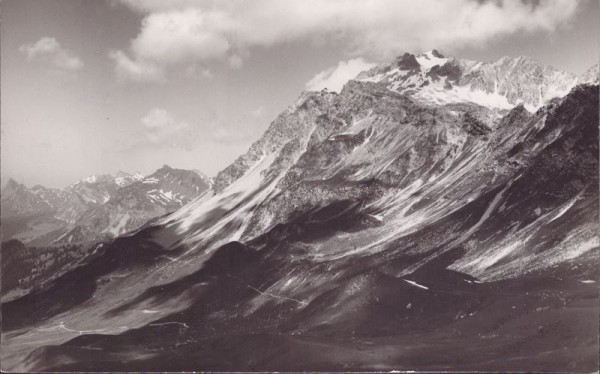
pixel 170 37
pixel 187 31
pixel 140 71
pixel 161 129
pixel 49 50
pixel 334 78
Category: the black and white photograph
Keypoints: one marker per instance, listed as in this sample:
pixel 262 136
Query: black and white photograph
pixel 379 186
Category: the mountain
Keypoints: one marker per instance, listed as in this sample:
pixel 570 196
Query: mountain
pixel 25 212
pixel 86 209
pixel 95 189
pixel 431 77
pixel 123 179
pixel 131 206
pixel 18 200
pixel 424 218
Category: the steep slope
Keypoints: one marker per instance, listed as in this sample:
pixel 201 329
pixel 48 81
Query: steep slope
pixel 367 230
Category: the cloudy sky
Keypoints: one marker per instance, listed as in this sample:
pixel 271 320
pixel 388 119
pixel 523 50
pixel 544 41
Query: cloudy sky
pixel 92 87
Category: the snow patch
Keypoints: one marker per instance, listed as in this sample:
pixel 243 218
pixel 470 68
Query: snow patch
pixel 437 92
pixel 427 60
pixel 564 210
pixel 90 179
pixel 117 227
pixel 377 217
pixel 416 284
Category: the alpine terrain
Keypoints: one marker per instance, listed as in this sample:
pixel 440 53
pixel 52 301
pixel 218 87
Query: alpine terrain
pixel 45 230
pixel 96 205
pixel 436 214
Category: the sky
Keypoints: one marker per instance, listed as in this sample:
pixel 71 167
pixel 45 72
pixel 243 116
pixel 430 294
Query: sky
pixel 94 87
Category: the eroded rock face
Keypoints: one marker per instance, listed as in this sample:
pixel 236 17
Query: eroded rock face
pixel 291 130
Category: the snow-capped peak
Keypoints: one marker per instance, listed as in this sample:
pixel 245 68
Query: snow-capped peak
pixel 95 178
pixel 123 178
pixel 433 78
pixel 429 59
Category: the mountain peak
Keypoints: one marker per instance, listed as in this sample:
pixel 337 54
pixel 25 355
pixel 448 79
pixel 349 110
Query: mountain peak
pixel 526 58
pixel 519 60
pixel 434 53
pixel 124 178
pixel 432 78
pixel 95 179
pixel 122 173
pixel 12 184
pixel 165 171
pixel 407 61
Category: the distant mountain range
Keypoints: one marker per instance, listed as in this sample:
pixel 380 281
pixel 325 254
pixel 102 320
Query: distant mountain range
pixel 99 206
